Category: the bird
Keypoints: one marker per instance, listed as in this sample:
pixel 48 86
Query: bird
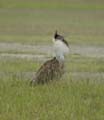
pixel 53 68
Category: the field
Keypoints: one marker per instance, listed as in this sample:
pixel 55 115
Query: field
pixel 26 31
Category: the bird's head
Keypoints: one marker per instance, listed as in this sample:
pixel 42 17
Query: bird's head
pixel 57 36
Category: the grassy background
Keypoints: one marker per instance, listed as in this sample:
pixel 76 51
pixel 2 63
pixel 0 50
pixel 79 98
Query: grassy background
pixel 63 100
pixel 58 4
pixel 80 93
pixel 80 21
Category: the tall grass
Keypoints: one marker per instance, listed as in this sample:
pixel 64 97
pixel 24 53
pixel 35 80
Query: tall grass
pixel 61 100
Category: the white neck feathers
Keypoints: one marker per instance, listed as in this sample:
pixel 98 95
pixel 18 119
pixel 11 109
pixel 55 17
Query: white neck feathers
pixel 60 49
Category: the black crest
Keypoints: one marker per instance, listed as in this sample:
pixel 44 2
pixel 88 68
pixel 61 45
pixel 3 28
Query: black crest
pixel 60 37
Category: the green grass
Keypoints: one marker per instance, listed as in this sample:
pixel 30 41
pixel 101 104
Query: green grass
pixel 37 25
pixel 95 40
pixel 76 63
pixel 73 97
pixel 26 39
pixel 59 100
pixel 85 64
pixel 18 65
pixel 55 4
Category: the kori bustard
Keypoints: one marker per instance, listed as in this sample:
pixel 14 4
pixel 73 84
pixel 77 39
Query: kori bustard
pixel 54 68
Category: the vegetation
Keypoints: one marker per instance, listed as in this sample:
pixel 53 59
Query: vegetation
pixel 79 95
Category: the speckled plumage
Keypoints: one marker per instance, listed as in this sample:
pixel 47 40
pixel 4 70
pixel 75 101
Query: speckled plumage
pixel 51 69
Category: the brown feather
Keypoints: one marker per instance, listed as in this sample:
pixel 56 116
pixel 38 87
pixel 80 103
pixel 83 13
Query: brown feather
pixel 50 70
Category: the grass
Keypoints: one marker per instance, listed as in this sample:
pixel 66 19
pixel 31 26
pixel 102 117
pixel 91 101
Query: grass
pixel 58 100
pixel 73 97
pixel 95 40
pixel 79 95
pixel 65 99
pixel 85 64
pixel 18 65
pixel 37 25
pixel 76 63
pixel 64 4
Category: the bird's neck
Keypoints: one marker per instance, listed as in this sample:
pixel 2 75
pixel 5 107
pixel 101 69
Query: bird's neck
pixel 60 58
